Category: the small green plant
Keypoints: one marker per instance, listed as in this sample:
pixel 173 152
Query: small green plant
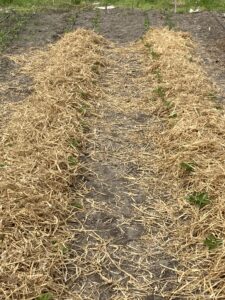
pixel 8 33
pixel 188 166
pixel 71 22
pixel 154 54
pixel 96 21
pixel 77 205
pixel 45 296
pixel 168 104
pixel 72 160
pixel 64 249
pixel 168 20
pixel 2 165
pixel 212 96
pixel 74 143
pixel 212 242
pixel 76 2
pixel 146 23
pixel 158 75
pixel 199 199
pixel 219 107
pixel 85 95
pixel 173 115
pixel 160 92
pixel 82 110
pixel 85 126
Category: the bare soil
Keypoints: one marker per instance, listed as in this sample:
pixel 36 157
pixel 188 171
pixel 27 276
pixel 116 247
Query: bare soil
pixel 110 229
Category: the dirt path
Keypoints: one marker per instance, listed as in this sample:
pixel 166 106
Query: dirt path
pixel 119 245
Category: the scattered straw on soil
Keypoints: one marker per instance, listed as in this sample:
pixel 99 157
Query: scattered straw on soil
pixel 178 152
pixel 40 168
pixel 189 156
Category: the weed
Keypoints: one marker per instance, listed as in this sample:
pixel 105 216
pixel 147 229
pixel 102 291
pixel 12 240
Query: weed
pixel 158 75
pixel 72 160
pixel 200 199
pixel 219 107
pixel 96 21
pixel 85 95
pixel 173 115
pixel 212 242
pixel 71 22
pixel 146 23
pixel 45 296
pixel 2 165
pixel 160 92
pixel 212 96
pixel 188 166
pixel 168 104
pixel 82 110
pixel 74 143
pixel 153 53
pixel 11 27
pixel 65 249
pixel 77 205
pixel 84 125
pixel 168 20
pixel 95 69
pixel 76 2
pixel 138 3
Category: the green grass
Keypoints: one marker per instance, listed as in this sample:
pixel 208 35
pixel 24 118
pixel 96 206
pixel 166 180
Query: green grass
pixel 39 3
pixel 165 5
pixel 168 5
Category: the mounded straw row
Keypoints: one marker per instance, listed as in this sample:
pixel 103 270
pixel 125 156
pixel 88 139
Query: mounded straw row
pixel 190 158
pixel 40 168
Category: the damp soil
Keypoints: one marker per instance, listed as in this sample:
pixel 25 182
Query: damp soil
pixel 123 263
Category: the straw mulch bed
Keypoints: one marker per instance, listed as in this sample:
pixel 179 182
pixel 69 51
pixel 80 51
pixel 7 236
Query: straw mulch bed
pixel 40 168
pixel 190 158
